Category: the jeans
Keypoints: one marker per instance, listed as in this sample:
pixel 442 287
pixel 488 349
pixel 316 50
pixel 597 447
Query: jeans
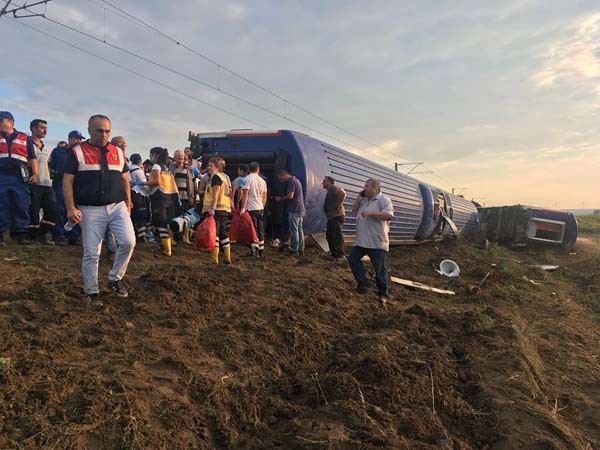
pixel 14 204
pixel 335 236
pixel 95 222
pixel 296 232
pixel 378 259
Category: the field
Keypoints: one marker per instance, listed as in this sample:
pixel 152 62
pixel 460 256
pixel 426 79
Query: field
pixel 589 223
pixel 283 354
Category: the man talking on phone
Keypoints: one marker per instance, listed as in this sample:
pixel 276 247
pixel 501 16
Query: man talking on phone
pixel 374 211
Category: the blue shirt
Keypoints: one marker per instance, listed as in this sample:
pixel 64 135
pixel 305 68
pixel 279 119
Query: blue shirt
pixel 58 160
pixel 12 166
pixel 296 204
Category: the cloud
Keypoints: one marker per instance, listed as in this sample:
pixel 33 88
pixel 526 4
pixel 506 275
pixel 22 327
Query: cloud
pixel 575 58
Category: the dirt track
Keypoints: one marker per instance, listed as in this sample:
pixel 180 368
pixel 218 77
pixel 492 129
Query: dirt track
pixel 283 354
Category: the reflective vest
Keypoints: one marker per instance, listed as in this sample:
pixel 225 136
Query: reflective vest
pixel 166 183
pixel 89 158
pixel 17 149
pixel 223 202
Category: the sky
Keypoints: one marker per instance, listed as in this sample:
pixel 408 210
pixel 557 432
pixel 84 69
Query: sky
pixel 501 100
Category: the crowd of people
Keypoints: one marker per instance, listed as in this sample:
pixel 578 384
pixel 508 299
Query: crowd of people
pixel 89 191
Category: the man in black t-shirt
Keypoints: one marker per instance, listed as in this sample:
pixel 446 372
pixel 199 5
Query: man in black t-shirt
pixel 97 196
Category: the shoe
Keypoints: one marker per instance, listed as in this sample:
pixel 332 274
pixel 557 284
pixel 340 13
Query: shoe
pixel 118 289
pixel 45 239
pixel 61 241
pixel 362 289
pixel 383 298
pixel 94 300
pixel 21 240
pixel 76 242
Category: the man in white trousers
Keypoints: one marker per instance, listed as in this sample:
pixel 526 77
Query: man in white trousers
pixel 97 196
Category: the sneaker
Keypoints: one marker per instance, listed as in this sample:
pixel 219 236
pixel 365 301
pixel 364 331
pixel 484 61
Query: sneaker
pixel 61 241
pixel 94 300
pixel 118 289
pixel 383 299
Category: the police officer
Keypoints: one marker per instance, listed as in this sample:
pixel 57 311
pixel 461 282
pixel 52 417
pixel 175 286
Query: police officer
pixel 57 162
pixel 97 195
pixel 16 152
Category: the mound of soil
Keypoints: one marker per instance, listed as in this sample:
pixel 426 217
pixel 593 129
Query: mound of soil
pixel 282 353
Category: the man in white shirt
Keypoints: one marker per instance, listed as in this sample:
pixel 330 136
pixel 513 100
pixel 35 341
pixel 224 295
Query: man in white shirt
pixel 254 199
pixel 42 194
pixel 374 211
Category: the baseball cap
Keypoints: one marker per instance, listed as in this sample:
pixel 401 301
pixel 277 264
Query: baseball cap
pixel 76 134
pixel 6 115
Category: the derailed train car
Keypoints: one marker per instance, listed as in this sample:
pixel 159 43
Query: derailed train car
pixel 421 211
pixel 520 225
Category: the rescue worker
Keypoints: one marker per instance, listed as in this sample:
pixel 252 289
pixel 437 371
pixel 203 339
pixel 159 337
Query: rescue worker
pixel 217 203
pixel 96 190
pixel 56 163
pixel 16 153
pixel 163 196
pixel 140 212
pixel 42 194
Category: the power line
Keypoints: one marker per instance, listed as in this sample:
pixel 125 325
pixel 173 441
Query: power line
pixel 14 11
pixel 145 77
pixel 139 21
pixel 203 83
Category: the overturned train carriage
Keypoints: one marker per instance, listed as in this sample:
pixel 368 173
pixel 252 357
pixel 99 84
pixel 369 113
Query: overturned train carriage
pixel 421 211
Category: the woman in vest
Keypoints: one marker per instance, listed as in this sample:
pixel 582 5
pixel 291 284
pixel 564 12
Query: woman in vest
pixel 217 203
pixel 163 195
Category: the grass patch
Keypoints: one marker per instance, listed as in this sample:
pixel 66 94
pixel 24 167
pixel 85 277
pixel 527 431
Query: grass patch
pixel 589 223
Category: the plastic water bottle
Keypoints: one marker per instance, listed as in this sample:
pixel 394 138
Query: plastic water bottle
pixel 69 225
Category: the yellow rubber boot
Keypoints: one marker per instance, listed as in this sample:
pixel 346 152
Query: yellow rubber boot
pixel 214 254
pixel 186 236
pixel 166 244
pixel 227 255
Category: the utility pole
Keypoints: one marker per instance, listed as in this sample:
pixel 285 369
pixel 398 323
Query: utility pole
pixel 25 7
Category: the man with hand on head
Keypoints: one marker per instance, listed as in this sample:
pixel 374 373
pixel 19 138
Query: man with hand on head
pixel 374 211
pixel 17 156
pixel 97 196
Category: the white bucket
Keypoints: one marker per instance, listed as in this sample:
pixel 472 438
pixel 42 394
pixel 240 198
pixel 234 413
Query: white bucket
pixel 449 268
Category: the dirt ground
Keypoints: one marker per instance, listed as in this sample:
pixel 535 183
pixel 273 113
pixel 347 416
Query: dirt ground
pixel 282 353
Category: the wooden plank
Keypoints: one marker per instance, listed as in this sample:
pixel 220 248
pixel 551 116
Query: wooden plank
pixel 422 286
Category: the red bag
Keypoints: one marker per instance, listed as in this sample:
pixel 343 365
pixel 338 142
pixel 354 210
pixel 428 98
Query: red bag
pixel 242 228
pixel 206 234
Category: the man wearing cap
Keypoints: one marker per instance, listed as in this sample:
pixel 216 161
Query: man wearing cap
pixel 16 152
pixel 57 162
pixel 97 195
pixel 42 194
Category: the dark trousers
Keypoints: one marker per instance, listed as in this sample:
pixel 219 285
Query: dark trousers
pixel 14 204
pixel 335 236
pixel 140 213
pixel 258 220
pixel 223 221
pixel 42 198
pixel 62 214
pixel 378 259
